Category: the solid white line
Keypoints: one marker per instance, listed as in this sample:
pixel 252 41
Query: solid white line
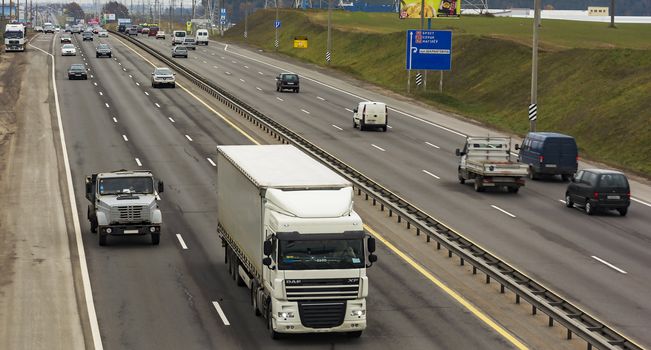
pixel 304 111
pixel 101 94
pixel 125 138
pixel 242 80
pixel 336 127
pixel 188 137
pixel 503 211
pixel 138 161
pixel 172 120
pixel 378 147
pixel 641 202
pixel 258 88
pixel 115 120
pixel 157 105
pixel 88 292
pixel 146 93
pixel 211 162
pixel 320 98
pixel 433 145
pixel 430 174
pixel 609 264
pixel 221 313
pixel 279 99
pixel 349 110
pixel 181 241
pixel 107 105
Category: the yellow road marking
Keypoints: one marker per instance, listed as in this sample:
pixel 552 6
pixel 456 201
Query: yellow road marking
pixel 452 293
pixel 456 296
pixel 224 118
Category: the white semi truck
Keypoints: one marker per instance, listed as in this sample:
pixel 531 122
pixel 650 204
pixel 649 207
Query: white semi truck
pixel 292 237
pixel 14 37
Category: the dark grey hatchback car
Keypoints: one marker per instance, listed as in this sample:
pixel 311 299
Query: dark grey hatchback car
pixel 595 189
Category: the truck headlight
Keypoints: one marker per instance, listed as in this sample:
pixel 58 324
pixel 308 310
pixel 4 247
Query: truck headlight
pixel 152 229
pixel 358 313
pixel 286 314
pixel 109 230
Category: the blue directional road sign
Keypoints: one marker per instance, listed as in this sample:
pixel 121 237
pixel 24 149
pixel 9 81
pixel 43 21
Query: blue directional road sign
pixel 429 49
pixel 276 24
pixel 222 17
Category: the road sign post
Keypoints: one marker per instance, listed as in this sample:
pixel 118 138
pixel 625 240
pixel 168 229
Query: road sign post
pixel 428 50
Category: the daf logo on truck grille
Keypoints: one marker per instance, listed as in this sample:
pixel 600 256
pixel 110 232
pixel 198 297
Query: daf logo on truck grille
pixel 293 282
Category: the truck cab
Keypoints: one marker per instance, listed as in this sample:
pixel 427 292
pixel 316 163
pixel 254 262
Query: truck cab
pixel 178 36
pixel 124 203
pixel 14 36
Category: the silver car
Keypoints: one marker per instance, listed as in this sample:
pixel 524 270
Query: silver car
pixel 180 51
pixel 68 50
pixel 163 76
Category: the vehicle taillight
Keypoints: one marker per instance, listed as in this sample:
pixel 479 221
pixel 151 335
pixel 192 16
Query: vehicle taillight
pixel 628 195
pixel 578 158
pixel 541 159
pixel 596 195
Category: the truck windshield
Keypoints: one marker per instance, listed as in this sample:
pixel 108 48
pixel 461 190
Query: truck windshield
pixel 13 34
pixel 118 185
pixel 320 254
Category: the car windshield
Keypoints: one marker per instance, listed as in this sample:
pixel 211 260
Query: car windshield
pixel 68 46
pixel 290 77
pixel 103 46
pixel 320 254
pixel 163 71
pixel 179 34
pixel 118 185
pixel 76 67
pixel 14 34
pixel 180 48
pixel 612 181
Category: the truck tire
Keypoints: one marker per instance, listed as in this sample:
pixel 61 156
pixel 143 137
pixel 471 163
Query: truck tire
pixel 462 180
pixel 254 298
pixel 93 226
pixel 355 334
pixel 273 334
pixel 532 174
pixel 566 177
pixel 478 186
pixel 513 189
pixel 155 238
pixel 102 239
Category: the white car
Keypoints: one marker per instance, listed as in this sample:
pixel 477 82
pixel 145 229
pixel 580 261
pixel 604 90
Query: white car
pixel 68 50
pixel 162 76
pixel 102 33
pixel 160 34
pixel 371 115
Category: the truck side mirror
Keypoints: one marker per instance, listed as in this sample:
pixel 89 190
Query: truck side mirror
pixel 372 258
pixel 517 146
pixel 89 188
pixel 267 248
pixel 161 187
pixel 266 261
pixel 355 110
pixel 457 152
pixel 371 244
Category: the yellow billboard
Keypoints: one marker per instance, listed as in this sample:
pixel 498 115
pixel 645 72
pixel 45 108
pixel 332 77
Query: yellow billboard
pixel 300 42
pixel 433 8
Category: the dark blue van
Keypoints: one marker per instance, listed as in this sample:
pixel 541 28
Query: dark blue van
pixel 549 153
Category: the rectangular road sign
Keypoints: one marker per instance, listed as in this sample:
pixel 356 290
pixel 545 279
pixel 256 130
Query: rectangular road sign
pixel 429 49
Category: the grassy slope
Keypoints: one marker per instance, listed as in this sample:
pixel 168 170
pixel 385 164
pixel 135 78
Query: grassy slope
pixel 601 96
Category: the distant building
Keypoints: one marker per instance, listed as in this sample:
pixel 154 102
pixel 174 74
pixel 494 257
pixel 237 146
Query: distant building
pixel 597 11
pixel 5 9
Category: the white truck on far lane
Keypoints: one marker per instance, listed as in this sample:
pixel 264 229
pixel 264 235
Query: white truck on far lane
pixel 14 37
pixel 487 161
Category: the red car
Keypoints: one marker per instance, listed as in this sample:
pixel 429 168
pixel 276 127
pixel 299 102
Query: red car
pixel 153 31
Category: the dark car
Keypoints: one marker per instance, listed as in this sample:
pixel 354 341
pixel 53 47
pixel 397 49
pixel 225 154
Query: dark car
pixel 77 71
pixel 66 39
pixel 180 51
pixel 153 31
pixel 549 153
pixel 103 50
pixel 287 81
pixel 87 36
pixel 122 28
pixel 595 189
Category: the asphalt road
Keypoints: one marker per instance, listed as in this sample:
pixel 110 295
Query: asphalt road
pixel 161 296
pixel 601 262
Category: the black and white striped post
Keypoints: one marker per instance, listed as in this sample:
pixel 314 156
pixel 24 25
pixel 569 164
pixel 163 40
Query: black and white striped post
pixel 327 57
pixel 533 116
pixel 419 79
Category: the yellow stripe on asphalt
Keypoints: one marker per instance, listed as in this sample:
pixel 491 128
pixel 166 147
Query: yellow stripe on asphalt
pixel 456 296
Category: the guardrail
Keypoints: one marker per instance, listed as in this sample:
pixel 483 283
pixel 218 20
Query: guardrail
pixel 541 298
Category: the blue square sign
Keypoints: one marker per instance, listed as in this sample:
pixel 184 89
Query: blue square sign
pixel 429 49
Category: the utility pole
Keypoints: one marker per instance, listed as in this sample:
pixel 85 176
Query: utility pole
pixel 612 13
pixel 276 42
pixel 193 8
pixel 533 107
pixel 329 41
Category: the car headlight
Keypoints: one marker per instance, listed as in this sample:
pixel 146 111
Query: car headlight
pixel 358 313
pixel 152 229
pixel 286 314
pixel 109 230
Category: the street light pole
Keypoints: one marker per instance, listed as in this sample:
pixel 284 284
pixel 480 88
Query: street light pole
pixel 533 107
pixel 612 13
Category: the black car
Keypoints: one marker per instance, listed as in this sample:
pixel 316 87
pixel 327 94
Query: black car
pixel 103 50
pixel 595 189
pixel 287 81
pixel 87 36
pixel 77 71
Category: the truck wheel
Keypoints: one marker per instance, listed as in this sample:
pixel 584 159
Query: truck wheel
pixel 362 125
pixel 566 177
pixel 532 174
pixel 355 334
pixel 384 128
pixel 93 226
pixel 513 189
pixel 254 298
pixel 155 238
pixel 273 334
pixel 622 211
pixel 461 179
pixel 102 239
pixel 478 186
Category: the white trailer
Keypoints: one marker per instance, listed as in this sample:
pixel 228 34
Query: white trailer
pixel 14 37
pixel 292 237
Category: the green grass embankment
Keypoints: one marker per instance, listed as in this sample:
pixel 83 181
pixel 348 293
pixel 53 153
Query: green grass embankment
pixel 594 82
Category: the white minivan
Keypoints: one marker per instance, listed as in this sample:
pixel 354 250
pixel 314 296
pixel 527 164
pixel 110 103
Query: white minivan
pixel 201 37
pixel 178 36
pixel 371 115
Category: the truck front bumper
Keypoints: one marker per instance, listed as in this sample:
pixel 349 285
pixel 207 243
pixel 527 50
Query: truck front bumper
pixel 354 318
pixel 127 230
